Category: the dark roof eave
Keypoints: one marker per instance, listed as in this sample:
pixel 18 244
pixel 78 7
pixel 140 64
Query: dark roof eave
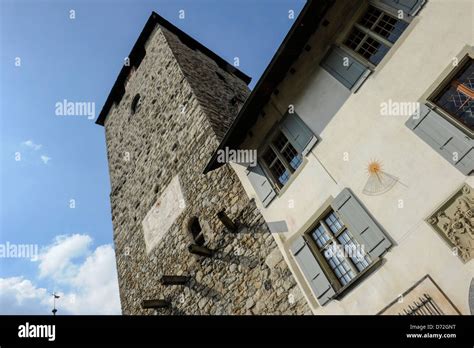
pixel 290 49
pixel 138 49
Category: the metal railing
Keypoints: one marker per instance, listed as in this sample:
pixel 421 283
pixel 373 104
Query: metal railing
pixel 425 305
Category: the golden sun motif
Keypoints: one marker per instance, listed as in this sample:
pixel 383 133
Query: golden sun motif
pixel 374 167
pixel 378 182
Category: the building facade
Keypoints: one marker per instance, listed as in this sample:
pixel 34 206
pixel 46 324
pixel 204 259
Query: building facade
pixel 185 242
pixel 364 131
pixel 362 197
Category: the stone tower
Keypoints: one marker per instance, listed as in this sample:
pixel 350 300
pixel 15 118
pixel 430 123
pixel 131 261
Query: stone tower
pixel 165 115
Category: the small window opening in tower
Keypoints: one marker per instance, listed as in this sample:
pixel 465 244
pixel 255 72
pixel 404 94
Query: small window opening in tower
pixel 196 231
pixel 135 104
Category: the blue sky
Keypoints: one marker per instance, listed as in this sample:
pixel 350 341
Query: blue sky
pixel 64 157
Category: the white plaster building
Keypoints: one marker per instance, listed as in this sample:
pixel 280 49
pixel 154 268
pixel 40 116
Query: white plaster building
pixel 356 85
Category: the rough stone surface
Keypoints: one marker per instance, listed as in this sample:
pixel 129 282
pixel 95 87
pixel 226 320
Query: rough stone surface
pixel 185 108
pixel 273 258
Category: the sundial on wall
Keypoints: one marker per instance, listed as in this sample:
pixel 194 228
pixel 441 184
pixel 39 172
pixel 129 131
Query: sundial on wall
pixel 379 181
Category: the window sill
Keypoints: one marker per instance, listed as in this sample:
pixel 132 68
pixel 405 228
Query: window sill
pixel 342 292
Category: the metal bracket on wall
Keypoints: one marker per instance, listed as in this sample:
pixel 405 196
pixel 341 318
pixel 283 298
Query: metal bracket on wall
pixel 227 221
pixel 174 280
pixel 155 304
pixel 200 250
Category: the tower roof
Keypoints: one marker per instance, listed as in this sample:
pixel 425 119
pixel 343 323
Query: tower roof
pixel 138 52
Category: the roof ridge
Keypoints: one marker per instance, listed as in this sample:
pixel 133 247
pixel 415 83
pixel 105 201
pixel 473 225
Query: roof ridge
pixel 138 52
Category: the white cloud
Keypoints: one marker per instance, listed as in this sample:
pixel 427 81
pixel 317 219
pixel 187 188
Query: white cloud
pixel 32 145
pixel 56 259
pixel 20 296
pixel 97 285
pixel 45 159
pixel 89 286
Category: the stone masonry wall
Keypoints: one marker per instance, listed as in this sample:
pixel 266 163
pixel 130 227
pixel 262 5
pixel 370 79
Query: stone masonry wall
pixel 213 87
pixel 173 133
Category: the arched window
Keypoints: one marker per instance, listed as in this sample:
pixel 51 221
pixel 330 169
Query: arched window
pixel 195 229
pixel 135 104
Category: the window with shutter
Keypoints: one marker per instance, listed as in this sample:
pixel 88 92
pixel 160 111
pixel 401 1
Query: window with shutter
pixel 298 133
pixel 262 186
pixel 374 34
pixel 367 43
pixel 363 227
pixel 312 271
pixel 344 243
pixel 445 138
pixel 283 152
pixel 344 68
pixel 447 123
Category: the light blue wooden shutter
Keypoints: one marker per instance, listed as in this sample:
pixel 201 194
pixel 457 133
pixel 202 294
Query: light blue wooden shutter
pixel 359 222
pixel 345 68
pixel 312 271
pixel 445 138
pixel 261 184
pixel 299 134
pixel 410 7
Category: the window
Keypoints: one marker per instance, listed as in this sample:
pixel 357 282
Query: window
pixel 446 121
pixel 341 251
pixel 456 97
pixel 135 106
pixel 195 229
pixel 374 34
pixel 343 243
pixel 281 158
pixel 368 41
